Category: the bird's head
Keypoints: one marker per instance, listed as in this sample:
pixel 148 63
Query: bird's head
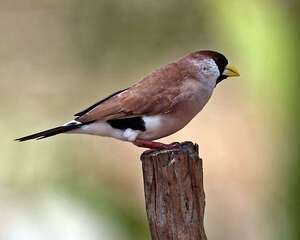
pixel 211 66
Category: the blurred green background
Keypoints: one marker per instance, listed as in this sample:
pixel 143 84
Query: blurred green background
pixel 59 56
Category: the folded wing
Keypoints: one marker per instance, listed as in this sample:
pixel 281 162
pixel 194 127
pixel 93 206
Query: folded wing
pixel 154 94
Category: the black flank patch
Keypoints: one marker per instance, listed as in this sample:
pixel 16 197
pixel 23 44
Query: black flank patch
pixel 134 123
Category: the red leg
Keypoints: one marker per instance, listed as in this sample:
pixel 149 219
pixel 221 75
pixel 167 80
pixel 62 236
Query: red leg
pixel 153 145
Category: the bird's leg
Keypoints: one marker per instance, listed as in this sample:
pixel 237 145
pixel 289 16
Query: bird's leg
pixel 154 145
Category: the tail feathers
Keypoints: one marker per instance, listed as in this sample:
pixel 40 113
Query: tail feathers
pixel 51 132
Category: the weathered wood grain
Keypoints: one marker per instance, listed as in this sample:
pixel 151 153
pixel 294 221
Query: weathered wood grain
pixel 174 195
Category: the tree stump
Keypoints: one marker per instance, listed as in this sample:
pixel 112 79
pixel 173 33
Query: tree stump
pixel 174 195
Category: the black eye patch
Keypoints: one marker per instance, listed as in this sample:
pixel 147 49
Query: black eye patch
pixel 221 62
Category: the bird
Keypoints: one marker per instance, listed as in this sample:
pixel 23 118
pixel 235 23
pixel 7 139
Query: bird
pixel 157 106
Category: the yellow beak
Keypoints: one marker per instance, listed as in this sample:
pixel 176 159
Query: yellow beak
pixel 231 71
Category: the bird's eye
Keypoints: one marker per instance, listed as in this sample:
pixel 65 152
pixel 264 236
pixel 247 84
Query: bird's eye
pixel 205 69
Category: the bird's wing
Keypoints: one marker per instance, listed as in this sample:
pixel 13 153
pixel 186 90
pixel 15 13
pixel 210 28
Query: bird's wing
pixel 156 93
pixel 86 110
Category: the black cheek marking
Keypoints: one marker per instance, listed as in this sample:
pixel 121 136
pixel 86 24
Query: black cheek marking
pixel 221 62
pixel 221 78
pixel 134 123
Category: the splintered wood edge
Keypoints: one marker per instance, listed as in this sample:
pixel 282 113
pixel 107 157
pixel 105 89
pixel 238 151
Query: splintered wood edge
pixel 188 146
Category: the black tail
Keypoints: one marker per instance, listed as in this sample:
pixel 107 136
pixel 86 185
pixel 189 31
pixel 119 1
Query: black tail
pixel 50 132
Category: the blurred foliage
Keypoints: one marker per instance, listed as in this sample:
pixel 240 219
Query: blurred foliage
pixel 128 29
pixel 65 53
pixel 111 205
pixel 293 138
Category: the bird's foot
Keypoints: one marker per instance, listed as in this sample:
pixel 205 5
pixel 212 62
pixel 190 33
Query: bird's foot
pixel 154 145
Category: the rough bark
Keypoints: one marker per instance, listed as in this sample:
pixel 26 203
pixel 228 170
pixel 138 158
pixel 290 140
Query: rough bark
pixel 174 195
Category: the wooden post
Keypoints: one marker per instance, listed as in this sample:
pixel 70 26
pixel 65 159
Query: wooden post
pixel 174 195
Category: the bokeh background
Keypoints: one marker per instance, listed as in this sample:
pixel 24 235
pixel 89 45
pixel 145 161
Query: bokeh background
pixel 59 56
